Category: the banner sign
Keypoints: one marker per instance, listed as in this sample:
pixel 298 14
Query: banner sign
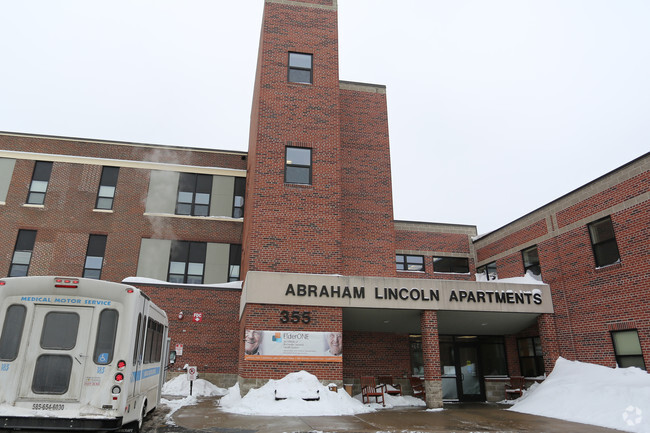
pixel 293 346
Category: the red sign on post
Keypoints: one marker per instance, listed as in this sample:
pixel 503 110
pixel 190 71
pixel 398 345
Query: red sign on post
pixel 198 317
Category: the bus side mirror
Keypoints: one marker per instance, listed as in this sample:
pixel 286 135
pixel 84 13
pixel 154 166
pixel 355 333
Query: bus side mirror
pixel 172 357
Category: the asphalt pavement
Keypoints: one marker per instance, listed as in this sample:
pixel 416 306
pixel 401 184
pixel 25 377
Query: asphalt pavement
pixel 477 417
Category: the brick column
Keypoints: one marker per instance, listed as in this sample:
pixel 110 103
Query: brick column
pixel 431 352
pixel 548 337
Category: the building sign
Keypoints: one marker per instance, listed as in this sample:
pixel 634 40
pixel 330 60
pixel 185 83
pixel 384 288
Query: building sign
pixel 293 346
pixel 398 293
pixel 197 317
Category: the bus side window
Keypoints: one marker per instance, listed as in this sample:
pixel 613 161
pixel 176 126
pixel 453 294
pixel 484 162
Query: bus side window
pixel 138 340
pixel 105 343
pixel 149 342
pixel 12 332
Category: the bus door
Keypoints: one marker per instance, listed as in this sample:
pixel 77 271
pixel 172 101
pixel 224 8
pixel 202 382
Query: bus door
pixel 57 353
pixel 138 357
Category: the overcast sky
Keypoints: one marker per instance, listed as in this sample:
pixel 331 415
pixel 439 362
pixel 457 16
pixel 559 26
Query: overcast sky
pixel 495 107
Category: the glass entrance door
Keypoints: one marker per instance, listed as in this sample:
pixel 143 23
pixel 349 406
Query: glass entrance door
pixel 470 383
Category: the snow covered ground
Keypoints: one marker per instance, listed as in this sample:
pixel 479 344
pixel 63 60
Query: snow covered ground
pixel 616 398
pixel 575 391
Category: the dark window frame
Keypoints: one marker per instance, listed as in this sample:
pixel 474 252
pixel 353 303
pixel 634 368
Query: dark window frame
pixel 403 265
pixel 529 262
pixel 294 70
pixel 603 248
pixel 620 358
pixel 96 245
pixel 289 165
pixel 194 184
pixel 485 269
pixel 234 263
pixel 24 239
pixel 239 197
pixel 41 174
pixel 451 265
pixel 538 358
pixel 107 188
pixel 184 252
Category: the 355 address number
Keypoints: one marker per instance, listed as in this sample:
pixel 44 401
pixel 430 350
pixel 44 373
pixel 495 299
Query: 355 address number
pixel 295 316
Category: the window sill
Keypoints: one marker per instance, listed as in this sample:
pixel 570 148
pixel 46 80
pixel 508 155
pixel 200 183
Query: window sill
pixel 411 272
pixel 191 217
pixel 616 265
pixel 299 185
pixel 103 210
pixel 2 203
pixel 36 206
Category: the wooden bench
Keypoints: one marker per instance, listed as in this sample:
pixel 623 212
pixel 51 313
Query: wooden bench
pixel 391 388
pixel 370 389
pixel 515 388
pixel 417 386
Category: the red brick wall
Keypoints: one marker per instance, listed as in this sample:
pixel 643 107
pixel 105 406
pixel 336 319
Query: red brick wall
pixel 122 151
pixel 513 240
pixel 211 345
pixel 295 228
pixel 367 205
pixel 267 318
pixel 376 354
pixel 67 219
pixel 438 243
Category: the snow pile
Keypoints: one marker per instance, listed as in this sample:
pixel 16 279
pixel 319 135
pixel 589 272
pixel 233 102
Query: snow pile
pixel 296 386
pixel 528 278
pixel 592 394
pixel 180 386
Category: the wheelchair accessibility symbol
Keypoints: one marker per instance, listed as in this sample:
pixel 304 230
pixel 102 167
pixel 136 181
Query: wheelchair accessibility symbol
pixel 103 358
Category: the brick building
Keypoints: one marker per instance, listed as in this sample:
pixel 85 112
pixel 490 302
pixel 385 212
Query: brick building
pixel 291 247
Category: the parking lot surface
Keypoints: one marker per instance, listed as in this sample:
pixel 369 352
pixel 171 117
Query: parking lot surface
pixel 484 417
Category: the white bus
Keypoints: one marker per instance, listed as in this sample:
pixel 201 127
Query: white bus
pixel 78 354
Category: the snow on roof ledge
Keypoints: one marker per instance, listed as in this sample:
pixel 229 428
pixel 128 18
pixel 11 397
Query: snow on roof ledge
pixel 154 282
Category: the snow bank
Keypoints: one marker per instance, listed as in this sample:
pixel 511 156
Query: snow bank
pixel 180 386
pixel 294 387
pixel 592 394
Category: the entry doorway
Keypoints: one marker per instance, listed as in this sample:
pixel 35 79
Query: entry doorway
pixel 462 373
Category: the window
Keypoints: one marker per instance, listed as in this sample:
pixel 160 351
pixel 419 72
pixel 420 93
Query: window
pixel 107 185
pixel 298 165
pixel 194 192
pixel 493 356
pixel 531 361
pixel 186 263
pixel 12 332
pixel 409 263
pixel 137 345
pixel 40 181
pixel 105 342
pixel 238 201
pixel 234 267
pixel 22 253
pixel 95 256
pixel 628 349
pixel 300 68
pixel 603 242
pixel 153 345
pixel 52 374
pixel 531 261
pixel 452 265
pixel 60 331
pixel 489 270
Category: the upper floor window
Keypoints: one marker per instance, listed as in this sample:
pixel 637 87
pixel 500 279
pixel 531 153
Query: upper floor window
pixel 238 200
pixel 530 258
pixel 234 265
pixel 107 185
pixel 453 265
pixel 489 270
pixel 298 165
pixel 531 361
pixel 409 263
pixel 95 256
pixel 22 253
pixel 194 191
pixel 603 242
pixel 40 181
pixel 187 262
pixel 300 68
pixel 628 349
